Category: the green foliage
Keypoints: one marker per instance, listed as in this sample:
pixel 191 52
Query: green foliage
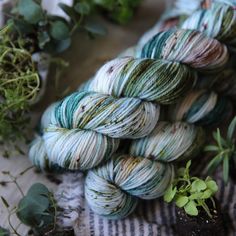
pixel 53 33
pixel 31 11
pixel 224 150
pixel 120 11
pixel 191 193
pixel 19 84
pixel 4 232
pixel 37 209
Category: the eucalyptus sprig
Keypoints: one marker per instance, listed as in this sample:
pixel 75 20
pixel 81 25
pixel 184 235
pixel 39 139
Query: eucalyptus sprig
pixel 224 149
pixel 191 193
pixel 38 209
pixel 53 33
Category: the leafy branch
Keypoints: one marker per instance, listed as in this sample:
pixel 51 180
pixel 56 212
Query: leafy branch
pixel 191 193
pixel 224 150
pixel 36 209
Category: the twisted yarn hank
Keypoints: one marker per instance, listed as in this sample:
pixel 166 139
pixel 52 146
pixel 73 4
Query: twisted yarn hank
pixel 112 190
pixel 88 124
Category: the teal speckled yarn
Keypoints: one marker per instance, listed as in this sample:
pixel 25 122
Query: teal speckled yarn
pixel 169 142
pixel 201 107
pixel 113 189
pixel 219 21
pixel 223 83
pixel 148 79
pixel 188 47
pixel 120 102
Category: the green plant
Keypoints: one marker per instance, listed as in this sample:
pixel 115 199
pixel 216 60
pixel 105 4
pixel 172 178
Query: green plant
pixel 4 232
pixel 224 150
pixel 191 193
pixel 38 209
pixel 53 33
pixel 19 84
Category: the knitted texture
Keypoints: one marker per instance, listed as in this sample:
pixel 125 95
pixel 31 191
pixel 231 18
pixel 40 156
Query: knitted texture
pixel 121 100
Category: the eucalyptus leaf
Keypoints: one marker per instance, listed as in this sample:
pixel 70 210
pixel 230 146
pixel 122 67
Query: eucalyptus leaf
pixel 59 30
pixel 38 189
pixel 191 208
pixel 82 8
pixel 30 10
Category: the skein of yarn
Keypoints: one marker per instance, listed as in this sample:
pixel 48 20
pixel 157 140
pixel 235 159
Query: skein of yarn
pixel 112 189
pixel 121 100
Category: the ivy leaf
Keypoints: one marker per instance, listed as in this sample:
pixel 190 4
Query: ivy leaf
pixel 198 185
pixel 59 30
pixel 30 10
pixel 191 209
pixel 181 201
pixel 82 8
pixel 170 193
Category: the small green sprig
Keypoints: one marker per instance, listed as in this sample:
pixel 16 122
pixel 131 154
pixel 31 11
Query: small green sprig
pixel 191 193
pixel 224 150
pixel 19 84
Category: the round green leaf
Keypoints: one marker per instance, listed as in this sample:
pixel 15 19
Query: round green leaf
pixel 38 189
pixel 181 201
pixel 198 185
pixel 211 184
pixel 59 30
pixel 30 10
pixel 82 8
pixel 191 209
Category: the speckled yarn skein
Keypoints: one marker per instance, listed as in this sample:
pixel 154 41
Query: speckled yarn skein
pixel 113 189
pixel 121 101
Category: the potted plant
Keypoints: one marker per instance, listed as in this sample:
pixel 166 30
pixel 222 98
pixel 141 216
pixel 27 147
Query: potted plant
pixel 225 152
pixel 197 210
